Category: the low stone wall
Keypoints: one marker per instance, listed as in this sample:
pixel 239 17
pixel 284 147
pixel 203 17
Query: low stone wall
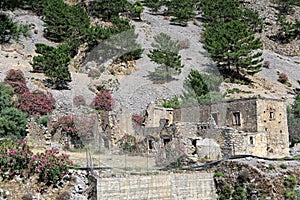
pixel 163 186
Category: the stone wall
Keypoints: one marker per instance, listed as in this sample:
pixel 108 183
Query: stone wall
pixel 163 186
pixel 272 119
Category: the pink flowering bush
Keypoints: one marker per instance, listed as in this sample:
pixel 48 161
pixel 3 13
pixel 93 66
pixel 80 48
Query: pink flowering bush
pixel 103 101
pixel 171 155
pixel 14 158
pixel 51 166
pixel 36 102
pixel 17 159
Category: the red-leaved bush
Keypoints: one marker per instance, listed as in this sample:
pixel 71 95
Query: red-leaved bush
pixel 36 102
pixel 15 76
pixel 19 87
pixel 16 79
pixel 138 119
pixel 103 101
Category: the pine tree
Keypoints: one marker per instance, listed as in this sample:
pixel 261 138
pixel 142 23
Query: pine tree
pixel 182 10
pixel 8 29
pixel 166 55
pixel 65 23
pixel 201 88
pixel 54 63
pixel 108 9
pixel 231 45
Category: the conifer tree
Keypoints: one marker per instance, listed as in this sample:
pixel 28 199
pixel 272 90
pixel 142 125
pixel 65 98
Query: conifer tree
pixel 54 63
pixel 231 45
pixel 166 55
pixel 182 11
pixel 108 9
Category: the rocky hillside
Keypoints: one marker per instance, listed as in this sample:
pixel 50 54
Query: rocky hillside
pixel 135 89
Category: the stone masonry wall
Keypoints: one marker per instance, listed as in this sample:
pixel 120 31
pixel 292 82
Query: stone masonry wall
pixel 174 186
pixel 272 118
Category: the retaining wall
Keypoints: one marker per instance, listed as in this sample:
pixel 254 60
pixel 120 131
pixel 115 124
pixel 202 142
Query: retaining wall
pixel 159 187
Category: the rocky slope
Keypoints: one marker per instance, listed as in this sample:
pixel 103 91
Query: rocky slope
pixel 136 90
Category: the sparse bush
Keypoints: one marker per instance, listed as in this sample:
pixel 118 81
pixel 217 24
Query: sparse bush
pixel 283 166
pixel 127 143
pixel 63 196
pixel 239 193
pixel 42 120
pixel 290 181
pixel 103 101
pixel 218 174
pixel 184 44
pixel 36 102
pixel 171 155
pixel 79 100
pixel 266 64
pixel 94 73
pixel 283 78
pixel 271 167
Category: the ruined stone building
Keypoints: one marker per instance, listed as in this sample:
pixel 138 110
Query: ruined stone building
pixel 244 126
pixel 214 130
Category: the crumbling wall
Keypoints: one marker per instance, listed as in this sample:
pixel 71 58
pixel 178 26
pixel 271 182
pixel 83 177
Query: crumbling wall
pixel 155 114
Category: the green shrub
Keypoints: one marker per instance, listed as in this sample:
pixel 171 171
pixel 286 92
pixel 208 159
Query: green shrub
pixel 42 120
pixel 290 181
pixel 65 23
pixel 239 193
pixel 271 167
pixel 283 166
pixel 171 103
pixel 12 123
pixel 225 192
pixel 218 174
pixel 6 94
